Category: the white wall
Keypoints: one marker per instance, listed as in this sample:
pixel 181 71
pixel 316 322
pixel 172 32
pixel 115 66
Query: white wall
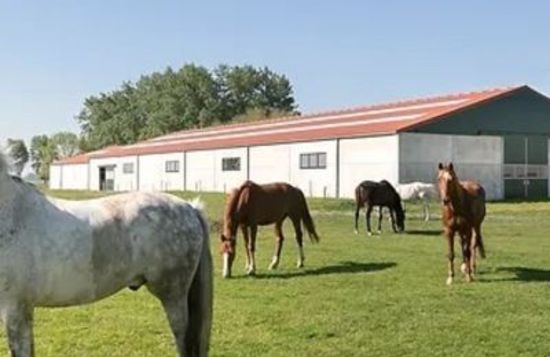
pixel 477 158
pixel 372 158
pixel 75 177
pixel 224 181
pixel 153 175
pixel 281 163
pixel 200 170
pixel 123 182
pixel 55 177
pixel 314 182
pixel 270 163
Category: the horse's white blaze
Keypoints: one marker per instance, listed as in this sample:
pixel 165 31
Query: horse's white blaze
pixel 226 271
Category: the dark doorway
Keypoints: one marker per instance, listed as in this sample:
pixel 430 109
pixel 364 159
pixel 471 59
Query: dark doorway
pixel 107 178
pixel 525 167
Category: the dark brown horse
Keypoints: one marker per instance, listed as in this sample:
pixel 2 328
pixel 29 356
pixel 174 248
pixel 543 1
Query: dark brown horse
pixel 463 212
pixel 253 205
pixel 382 194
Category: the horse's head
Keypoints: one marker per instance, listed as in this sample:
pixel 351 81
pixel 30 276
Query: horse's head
pixel 227 248
pixel 446 182
pixel 400 218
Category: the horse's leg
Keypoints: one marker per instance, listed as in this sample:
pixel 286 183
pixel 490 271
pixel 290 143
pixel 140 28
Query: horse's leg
pixel 380 219
pixel 449 234
pixel 426 205
pixel 357 208
pixel 296 222
pixel 252 249
pixel 246 238
pixel 19 319
pixel 465 241
pixel 367 218
pixel 278 245
pixel 172 292
pixel 393 220
pixel 473 246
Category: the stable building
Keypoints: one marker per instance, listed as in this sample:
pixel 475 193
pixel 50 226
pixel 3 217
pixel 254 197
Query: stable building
pixel 499 137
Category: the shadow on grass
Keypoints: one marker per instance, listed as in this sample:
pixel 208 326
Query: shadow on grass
pixel 425 232
pixel 341 268
pixel 526 274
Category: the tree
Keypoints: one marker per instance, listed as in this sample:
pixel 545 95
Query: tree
pixel 19 155
pixel 190 97
pixel 43 153
pixel 66 144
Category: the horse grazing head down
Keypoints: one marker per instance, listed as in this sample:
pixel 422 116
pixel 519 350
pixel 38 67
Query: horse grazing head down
pixel 447 182
pixel 228 237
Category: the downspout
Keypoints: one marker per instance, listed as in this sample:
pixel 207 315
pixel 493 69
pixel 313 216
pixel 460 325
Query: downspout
pixel 337 168
pixel 248 163
pixel 137 172
pixel 185 170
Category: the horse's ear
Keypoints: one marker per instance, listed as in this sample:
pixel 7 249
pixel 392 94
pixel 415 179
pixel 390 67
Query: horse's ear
pixel 440 166
pixel 451 168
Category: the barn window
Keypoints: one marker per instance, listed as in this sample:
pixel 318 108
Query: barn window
pixel 128 168
pixel 172 166
pixel 231 164
pixel 314 160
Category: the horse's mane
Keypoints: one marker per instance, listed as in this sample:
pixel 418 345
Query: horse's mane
pixel 233 201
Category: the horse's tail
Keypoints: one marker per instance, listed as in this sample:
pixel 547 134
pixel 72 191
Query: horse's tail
pixel 197 338
pixel 306 218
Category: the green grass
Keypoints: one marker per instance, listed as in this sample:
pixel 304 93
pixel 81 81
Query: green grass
pixel 358 296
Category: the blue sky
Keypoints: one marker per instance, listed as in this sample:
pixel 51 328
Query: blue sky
pixel 337 53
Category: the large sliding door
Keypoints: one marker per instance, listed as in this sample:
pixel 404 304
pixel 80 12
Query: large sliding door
pixel 525 167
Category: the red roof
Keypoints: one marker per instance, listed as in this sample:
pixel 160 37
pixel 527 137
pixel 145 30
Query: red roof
pixel 357 122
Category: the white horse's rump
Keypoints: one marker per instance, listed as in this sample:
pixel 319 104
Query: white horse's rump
pixel 418 191
pixel 60 253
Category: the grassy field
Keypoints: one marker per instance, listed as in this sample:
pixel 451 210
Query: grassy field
pixel 358 296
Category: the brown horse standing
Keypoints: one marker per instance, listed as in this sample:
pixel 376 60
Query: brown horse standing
pixel 253 205
pixel 463 211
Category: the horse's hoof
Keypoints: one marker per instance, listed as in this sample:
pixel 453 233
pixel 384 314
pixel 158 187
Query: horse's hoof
pixel 300 265
pixel 379 232
pixel 449 281
pixel 369 234
pixel 251 272
pixel 463 268
pixel 273 266
pixel 356 231
pixel 469 278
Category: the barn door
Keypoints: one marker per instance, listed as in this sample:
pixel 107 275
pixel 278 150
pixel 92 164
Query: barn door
pixel 525 167
pixel 107 178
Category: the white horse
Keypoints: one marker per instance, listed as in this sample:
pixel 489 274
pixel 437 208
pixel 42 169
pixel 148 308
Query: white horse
pixel 418 191
pixel 58 253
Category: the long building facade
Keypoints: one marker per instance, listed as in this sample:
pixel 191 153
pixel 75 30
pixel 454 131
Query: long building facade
pixel 498 137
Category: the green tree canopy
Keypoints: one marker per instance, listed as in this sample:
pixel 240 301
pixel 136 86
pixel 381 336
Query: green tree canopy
pixel 43 153
pixel 190 97
pixel 19 155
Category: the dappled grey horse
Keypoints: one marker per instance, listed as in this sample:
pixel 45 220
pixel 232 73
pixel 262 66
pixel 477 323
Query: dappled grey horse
pixel 60 253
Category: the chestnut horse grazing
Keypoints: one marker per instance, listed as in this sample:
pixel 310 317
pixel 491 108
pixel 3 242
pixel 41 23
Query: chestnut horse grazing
pixel 381 194
pixel 252 205
pixel 463 212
